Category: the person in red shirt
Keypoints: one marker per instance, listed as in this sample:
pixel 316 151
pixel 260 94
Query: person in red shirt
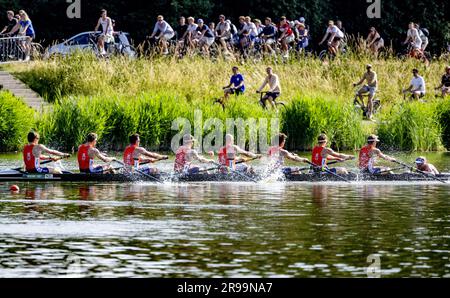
pixel 278 154
pixel 321 154
pixel 185 155
pixel 228 156
pixel 368 155
pixel 33 154
pixel 132 156
pixel 286 37
pixel 86 155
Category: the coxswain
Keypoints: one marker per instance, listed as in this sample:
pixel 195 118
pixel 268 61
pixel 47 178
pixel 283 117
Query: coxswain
pixel 278 154
pixel 132 156
pixel 423 166
pixel 368 156
pixel 86 155
pixel 33 154
pixel 185 155
pixel 321 154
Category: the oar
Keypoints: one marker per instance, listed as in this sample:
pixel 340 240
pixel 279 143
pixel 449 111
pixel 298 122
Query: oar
pixel 328 163
pixel 140 172
pixel 236 172
pixel 419 171
pixel 329 172
pixel 390 170
pixel 239 162
pixel 44 162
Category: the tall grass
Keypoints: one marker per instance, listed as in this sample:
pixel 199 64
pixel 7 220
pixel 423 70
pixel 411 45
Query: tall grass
pixel 16 120
pixel 306 117
pixel 443 112
pixel 412 126
pixel 115 118
pixel 118 96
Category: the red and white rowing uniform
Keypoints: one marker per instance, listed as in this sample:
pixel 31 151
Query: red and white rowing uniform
pixel 32 164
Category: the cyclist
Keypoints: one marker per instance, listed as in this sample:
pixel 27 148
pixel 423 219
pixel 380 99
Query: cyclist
pixel 445 82
pixel 417 86
pixel 181 34
pixel 223 32
pixel 274 88
pixel 165 33
pixel 334 36
pixel 205 36
pixel 303 37
pixel 413 37
pixel 371 87
pixel 190 34
pixel 107 35
pixel 236 86
pixel 24 28
pixel 12 22
pixel 423 36
pixel 374 41
pixel 268 36
pixel 286 37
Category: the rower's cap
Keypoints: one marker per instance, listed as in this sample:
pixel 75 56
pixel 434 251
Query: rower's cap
pixel 188 138
pixel 322 138
pixel 420 160
pixel 373 138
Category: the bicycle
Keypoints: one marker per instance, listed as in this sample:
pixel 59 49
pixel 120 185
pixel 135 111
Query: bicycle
pixel 411 52
pixel 376 103
pixel 276 103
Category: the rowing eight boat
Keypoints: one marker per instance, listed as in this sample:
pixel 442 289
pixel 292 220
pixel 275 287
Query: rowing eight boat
pixel 13 176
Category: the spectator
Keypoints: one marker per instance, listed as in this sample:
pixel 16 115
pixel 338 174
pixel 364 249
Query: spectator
pixel 413 37
pixel 303 21
pixel 417 86
pixel 12 22
pixel 339 25
pixel 165 33
pixel 25 28
pixel 423 36
pixel 274 88
pixel 445 82
pixel 334 36
pixel 191 32
pixel 303 37
pixel 107 35
pixel 212 27
pixel 286 37
pixel 223 32
pixel 268 36
pixel 374 41
pixel 236 86
pixel 205 36
pixel 181 35
pixel 370 88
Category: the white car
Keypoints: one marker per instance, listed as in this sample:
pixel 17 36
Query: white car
pixel 87 41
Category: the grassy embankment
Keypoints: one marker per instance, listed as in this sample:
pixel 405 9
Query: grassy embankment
pixel 119 96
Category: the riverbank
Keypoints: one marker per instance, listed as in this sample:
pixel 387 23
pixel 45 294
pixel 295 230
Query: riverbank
pixel 118 96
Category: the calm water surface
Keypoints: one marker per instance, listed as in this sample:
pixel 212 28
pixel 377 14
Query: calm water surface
pixel 224 230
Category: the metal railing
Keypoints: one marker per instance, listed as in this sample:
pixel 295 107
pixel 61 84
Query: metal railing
pixel 13 48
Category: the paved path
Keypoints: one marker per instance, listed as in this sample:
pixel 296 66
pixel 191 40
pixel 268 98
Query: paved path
pixel 19 89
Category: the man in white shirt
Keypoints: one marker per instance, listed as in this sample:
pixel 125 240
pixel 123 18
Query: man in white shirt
pixel 274 88
pixel 417 86
pixel 335 36
pixel 223 32
pixel 164 31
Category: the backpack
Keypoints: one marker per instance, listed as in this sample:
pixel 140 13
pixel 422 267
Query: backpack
pixel 233 29
pixel 425 32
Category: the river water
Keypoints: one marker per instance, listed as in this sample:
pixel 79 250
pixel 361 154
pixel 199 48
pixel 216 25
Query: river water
pixel 267 229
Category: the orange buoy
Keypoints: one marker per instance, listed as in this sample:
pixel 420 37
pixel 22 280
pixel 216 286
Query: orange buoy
pixel 14 188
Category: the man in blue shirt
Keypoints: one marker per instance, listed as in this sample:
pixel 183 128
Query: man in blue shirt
pixel 236 86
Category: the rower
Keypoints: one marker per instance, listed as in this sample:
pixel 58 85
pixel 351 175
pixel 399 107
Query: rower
pixel 32 155
pixel 228 156
pixel 132 157
pixel 185 155
pixel 368 155
pixel 321 154
pixel 423 166
pixel 277 153
pixel 86 155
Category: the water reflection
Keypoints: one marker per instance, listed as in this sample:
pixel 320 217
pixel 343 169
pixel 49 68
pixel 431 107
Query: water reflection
pixel 223 229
